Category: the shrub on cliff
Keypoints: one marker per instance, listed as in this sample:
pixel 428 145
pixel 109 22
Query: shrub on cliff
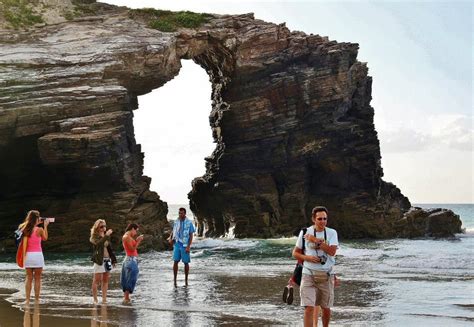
pixel 170 21
pixel 18 13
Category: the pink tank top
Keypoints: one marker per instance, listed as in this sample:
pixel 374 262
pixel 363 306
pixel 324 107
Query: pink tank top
pixel 34 242
pixel 129 251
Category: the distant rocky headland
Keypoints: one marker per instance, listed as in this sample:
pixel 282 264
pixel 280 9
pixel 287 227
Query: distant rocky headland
pixel 290 116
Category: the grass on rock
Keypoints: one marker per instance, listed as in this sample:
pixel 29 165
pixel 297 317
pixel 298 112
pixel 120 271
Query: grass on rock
pixel 18 13
pixel 170 21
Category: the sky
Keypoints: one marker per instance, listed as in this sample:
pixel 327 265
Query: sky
pixel 419 55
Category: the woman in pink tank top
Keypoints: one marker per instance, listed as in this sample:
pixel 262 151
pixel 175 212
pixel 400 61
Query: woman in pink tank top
pixel 34 260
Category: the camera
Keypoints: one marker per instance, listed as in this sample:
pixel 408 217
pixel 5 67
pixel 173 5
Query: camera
pixel 49 219
pixel 322 259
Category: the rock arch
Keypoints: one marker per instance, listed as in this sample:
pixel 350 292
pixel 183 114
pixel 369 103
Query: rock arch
pixel 291 118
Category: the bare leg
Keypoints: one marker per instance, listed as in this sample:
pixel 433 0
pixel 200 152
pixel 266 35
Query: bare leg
pixel 175 271
pixel 28 281
pixel 316 315
pixel 105 286
pixel 186 273
pixel 37 276
pixel 308 316
pixel 95 283
pixel 326 317
pixel 126 296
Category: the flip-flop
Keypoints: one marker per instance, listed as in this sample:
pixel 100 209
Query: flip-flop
pixel 289 300
pixel 285 293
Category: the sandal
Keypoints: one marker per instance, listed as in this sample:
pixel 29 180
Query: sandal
pixel 289 300
pixel 285 293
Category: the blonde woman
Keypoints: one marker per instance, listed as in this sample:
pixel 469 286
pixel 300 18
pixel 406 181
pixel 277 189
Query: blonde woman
pixel 34 260
pixel 103 258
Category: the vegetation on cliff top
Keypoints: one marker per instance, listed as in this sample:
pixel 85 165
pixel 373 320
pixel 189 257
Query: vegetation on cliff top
pixel 88 8
pixel 18 13
pixel 80 10
pixel 170 21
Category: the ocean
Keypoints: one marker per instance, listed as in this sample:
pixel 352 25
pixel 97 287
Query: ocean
pixel 397 282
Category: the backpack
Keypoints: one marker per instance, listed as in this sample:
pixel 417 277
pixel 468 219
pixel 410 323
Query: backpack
pixel 22 244
pixel 298 272
pixel 18 234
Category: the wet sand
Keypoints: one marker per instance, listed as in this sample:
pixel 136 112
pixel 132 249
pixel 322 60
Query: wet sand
pixel 47 314
pixel 31 315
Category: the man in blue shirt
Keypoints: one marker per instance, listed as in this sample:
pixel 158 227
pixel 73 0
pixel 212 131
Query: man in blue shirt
pixel 181 239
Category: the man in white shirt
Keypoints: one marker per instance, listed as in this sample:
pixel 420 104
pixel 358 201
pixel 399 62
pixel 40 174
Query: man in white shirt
pixel 317 284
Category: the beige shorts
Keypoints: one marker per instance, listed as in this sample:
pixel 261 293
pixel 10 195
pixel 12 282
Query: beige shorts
pixel 314 294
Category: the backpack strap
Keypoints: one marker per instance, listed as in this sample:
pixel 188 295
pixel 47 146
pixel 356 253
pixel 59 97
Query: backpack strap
pixel 304 232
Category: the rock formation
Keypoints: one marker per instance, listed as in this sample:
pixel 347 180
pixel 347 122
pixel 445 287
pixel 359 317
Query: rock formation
pixel 291 119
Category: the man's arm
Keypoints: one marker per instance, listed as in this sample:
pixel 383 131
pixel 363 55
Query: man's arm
pixel 298 255
pixel 329 249
pixel 170 239
pixel 188 248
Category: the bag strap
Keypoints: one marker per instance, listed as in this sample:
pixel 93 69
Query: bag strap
pixel 304 232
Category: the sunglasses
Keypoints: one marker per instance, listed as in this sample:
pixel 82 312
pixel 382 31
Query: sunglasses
pixel 321 219
pixel 103 226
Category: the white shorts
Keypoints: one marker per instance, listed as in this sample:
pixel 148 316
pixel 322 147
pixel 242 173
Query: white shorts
pixel 99 269
pixel 34 260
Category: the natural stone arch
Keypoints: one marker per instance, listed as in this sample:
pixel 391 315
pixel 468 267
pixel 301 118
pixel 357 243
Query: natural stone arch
pixel 291 117
pixel 288 164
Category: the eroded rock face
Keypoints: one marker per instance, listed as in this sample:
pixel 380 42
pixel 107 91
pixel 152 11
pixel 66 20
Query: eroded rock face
pixel 291 118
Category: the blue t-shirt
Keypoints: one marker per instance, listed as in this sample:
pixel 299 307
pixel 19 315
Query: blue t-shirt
pixel 182 229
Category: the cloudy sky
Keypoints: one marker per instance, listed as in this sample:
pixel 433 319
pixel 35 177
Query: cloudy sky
pixel 419 55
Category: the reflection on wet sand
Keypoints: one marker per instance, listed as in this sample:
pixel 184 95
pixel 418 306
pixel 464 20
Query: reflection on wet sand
pixel 198 305
pixel 31 318
pixel 353 298
pixel 181 300
pixel 99 320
